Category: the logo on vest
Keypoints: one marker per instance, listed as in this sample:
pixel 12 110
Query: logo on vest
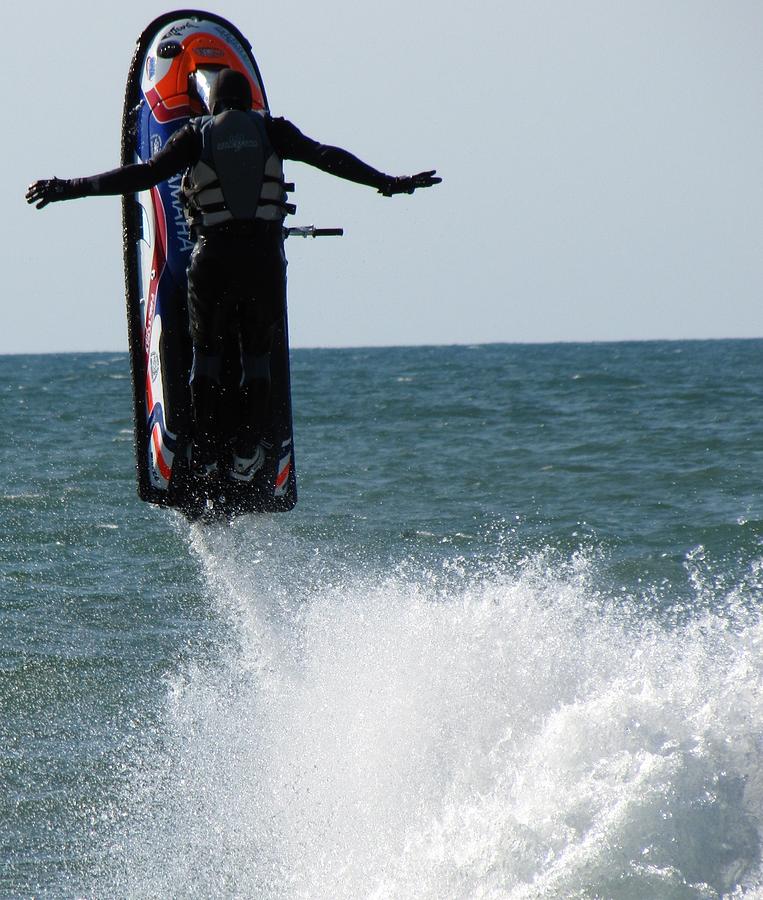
pixel 237 143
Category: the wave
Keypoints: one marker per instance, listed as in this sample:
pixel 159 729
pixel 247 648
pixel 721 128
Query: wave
pixel 438 731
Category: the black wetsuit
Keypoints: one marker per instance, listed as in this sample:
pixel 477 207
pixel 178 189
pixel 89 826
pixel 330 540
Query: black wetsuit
pixel 237 270
pixel 183 149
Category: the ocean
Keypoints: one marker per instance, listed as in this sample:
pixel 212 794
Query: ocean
pixel 507 645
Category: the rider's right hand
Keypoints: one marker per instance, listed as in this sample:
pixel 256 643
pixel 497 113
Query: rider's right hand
pixel 407 184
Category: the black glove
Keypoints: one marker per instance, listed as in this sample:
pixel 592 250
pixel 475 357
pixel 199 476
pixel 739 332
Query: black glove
pixel 407 184
pixel 50 190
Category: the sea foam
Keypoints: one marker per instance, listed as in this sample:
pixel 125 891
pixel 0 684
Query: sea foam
pixel 447 731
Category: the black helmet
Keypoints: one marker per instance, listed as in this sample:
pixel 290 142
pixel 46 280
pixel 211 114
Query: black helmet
pixel 231 90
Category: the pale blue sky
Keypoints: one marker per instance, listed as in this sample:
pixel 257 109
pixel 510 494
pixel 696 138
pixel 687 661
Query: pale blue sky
pixel 601 165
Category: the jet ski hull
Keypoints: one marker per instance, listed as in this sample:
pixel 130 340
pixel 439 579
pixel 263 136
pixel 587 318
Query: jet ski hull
pixel 174 64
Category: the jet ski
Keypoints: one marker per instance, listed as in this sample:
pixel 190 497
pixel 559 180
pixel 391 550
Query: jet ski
pixel 175 64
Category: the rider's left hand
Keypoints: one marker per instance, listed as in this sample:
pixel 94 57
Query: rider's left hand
pixel 50 190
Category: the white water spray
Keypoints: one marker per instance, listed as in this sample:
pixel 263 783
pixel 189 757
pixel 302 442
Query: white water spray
pixel 445 734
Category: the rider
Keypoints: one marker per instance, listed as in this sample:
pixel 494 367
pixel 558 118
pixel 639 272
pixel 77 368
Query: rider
pixel 235 202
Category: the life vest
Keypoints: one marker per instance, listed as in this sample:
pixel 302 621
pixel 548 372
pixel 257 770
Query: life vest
pixel 238 176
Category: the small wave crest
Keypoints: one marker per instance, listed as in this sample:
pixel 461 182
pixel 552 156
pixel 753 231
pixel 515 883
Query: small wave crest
pixel 436 731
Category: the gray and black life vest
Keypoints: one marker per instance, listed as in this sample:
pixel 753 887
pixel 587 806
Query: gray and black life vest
pixel 238 176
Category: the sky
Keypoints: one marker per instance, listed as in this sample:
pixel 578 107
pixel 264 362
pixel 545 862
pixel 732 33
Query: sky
pixel 601 165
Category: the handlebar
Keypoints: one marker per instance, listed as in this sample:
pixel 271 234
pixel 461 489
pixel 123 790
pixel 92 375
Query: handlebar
pixel 312 231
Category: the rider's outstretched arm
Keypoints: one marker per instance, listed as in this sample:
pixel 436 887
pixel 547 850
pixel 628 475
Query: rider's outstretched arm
pixel 289 143
pixel 179 152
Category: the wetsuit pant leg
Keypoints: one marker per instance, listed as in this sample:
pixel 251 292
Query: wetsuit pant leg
pixel 260 309
pixel 208 312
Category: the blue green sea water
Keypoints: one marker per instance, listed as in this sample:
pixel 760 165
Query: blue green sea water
pixel 508 644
